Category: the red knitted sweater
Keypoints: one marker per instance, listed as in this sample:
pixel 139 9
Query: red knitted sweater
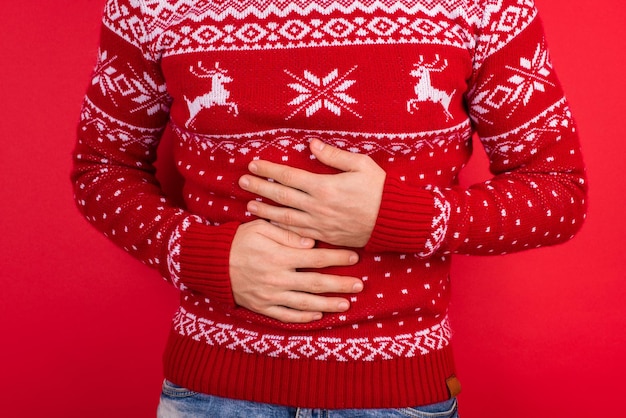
pixel 407 82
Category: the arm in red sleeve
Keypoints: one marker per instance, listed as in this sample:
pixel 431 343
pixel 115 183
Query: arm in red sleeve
pixel 537 196
pixel 124 113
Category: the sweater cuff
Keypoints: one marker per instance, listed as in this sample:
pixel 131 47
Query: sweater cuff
pixel 198 259
pixel 410 220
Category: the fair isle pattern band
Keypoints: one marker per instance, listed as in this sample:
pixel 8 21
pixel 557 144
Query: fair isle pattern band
pixel 119 80
pixel 550 122
pixel 302 32
pixel 289 140
pixel 368 349
pixel 149 24
pixel 123 134
pixel 514 86
pixel 157 18
pixel 509 24
pixel 163 14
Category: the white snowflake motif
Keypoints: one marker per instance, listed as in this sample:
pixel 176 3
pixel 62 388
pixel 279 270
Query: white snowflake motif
pixel 103 74
pixel 150 95
pixel 328 92
pixel 531 76
pixel 144 90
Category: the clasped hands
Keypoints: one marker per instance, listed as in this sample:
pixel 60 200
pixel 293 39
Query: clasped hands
pixel 267 254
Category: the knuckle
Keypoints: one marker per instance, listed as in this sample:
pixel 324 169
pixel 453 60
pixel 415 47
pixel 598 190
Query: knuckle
pixel 323 193
pixel 304 304
pixel 256 307
pixel 290 237
pixel 317 285
pixel 262 299
pixel 282 195
pixel 287 217
pixel 318 259
pixel 285 176
pixel 327 213
pixel 334 153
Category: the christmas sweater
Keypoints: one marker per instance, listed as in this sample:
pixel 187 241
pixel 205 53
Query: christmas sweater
pixel 406 82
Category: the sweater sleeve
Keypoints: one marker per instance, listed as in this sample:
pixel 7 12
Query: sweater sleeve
pixel 537 196
pixel 123 116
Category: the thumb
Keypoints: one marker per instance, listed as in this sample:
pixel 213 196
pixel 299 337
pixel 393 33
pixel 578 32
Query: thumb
pixel 333 156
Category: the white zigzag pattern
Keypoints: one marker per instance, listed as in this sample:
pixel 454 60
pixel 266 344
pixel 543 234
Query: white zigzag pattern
pixel 521 83
pixel 301 33
pixel 125 134
pixel 163 14
pixel 560 116
pixel 289 140
pixel 119 80
pixel 510 23
pixel 308 347
pixel 145 22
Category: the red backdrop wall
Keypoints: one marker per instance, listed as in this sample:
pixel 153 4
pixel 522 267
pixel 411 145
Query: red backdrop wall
pixel 82 325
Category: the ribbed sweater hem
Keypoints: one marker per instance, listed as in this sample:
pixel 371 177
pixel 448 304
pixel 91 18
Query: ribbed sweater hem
pixel 308 383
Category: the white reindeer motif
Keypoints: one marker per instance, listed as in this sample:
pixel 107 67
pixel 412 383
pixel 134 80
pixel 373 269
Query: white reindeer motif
pixel 218 96
pixel 424 89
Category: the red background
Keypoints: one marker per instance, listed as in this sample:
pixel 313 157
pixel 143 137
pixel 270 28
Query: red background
pixel 83 325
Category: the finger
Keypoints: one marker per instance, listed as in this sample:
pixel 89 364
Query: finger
pixel 279 215
pixel 318 258
pixel 335 157
pixel 303 232
pixel 277 192
pixel 306 302
pixel 289 176
pixel 317 283
pixel 286 237
pixel 288 315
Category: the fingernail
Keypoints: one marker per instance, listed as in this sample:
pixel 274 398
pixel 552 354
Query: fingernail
pixel 253 207
pixel 306 241
pixel 244 182
pixel 343 305
pixel 253 167
pixel 354 258
pixel 357 287
pixel 317 316
pixel 319 145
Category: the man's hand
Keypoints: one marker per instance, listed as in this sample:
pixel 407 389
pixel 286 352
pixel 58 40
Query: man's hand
pixel 339 209
pixel 264 263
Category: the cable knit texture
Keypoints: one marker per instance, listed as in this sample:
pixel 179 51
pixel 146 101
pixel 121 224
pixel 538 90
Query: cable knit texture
pixel 407 82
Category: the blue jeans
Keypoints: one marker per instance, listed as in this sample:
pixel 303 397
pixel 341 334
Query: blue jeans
pixel 178 402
